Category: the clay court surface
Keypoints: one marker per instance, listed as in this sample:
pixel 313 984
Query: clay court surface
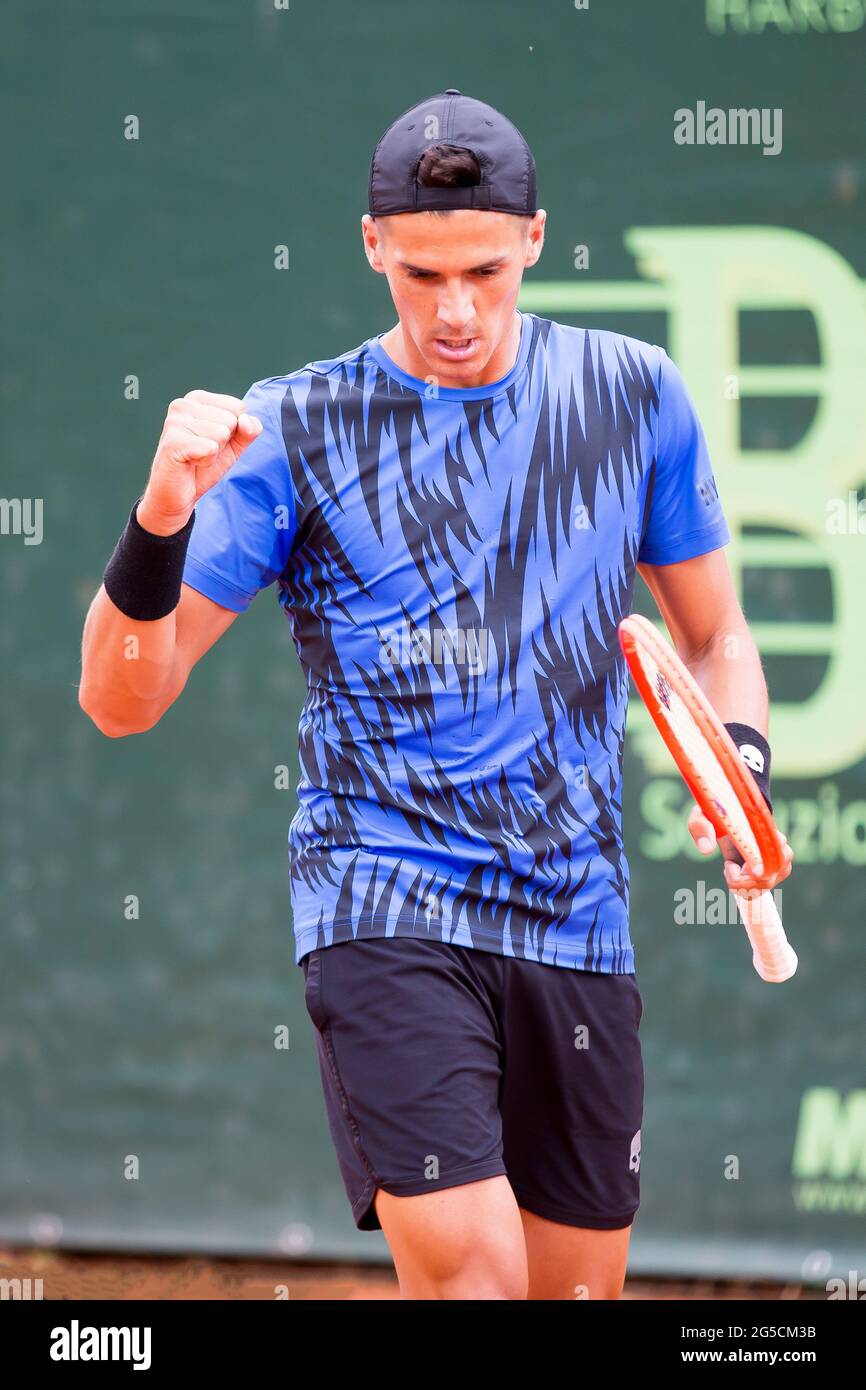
pixel 129 1277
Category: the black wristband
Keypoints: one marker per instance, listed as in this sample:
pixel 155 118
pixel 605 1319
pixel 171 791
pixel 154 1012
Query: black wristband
pixel 755 752
pixel 145 572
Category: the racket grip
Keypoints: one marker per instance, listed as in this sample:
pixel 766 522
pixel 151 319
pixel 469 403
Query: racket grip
pixel 772 954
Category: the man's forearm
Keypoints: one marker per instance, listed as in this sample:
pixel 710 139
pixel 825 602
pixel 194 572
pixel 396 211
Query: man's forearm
pixel 729 672
pixel 127 668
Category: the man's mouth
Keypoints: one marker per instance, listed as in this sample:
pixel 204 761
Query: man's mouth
pixel 456 347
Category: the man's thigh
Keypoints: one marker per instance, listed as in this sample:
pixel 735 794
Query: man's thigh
pixel 572 1098
pixel 463 1242
pixel 410 1059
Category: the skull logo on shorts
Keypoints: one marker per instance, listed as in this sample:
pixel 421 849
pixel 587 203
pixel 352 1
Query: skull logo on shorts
pixel 634 1156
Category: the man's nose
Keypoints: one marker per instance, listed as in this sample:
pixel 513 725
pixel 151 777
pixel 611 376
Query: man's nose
pixel 456 308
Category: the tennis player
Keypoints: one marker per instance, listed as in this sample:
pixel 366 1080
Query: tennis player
pixel 453 515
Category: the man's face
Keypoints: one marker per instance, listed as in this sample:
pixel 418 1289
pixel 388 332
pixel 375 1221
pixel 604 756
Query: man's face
pixel 454 281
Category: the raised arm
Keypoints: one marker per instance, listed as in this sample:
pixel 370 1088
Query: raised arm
pixel 133 668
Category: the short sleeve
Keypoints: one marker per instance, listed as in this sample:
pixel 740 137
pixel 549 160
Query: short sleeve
pixel 245 524
pixel 685 513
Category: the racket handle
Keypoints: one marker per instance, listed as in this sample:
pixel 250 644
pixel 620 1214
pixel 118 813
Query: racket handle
pixel 772 955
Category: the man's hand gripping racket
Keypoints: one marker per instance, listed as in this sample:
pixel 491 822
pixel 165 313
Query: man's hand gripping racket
pixel 721 784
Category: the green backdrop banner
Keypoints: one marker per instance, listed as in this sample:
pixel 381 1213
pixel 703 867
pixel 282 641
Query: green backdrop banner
pixel 189 181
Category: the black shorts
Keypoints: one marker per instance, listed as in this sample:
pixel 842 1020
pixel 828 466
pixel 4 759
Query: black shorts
pixel 444 1064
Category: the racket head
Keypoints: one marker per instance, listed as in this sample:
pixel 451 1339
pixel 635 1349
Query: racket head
pixel 700 745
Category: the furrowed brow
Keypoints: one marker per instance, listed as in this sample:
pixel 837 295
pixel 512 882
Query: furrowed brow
pixel 492 264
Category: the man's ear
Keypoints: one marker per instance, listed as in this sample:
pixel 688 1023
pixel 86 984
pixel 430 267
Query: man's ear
pixel 373 253
pixel 535 244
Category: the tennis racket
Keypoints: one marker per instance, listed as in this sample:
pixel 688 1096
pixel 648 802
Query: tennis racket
pixel 718 779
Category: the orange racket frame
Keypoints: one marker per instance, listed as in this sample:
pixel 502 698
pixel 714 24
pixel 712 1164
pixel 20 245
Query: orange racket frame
pixel 773 956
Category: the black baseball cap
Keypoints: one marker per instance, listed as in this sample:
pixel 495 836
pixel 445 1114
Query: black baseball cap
pixel 451 118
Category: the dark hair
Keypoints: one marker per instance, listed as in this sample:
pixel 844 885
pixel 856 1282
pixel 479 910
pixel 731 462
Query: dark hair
pixel 448 166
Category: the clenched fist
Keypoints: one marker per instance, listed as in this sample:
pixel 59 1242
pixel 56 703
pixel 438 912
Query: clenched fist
pixel 203 435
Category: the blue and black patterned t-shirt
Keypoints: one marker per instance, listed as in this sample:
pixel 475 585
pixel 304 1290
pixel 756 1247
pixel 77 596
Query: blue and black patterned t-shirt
pixel 453 565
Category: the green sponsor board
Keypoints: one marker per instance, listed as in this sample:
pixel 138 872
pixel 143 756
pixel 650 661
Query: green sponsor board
pixel 829 1163
pixel 785 16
